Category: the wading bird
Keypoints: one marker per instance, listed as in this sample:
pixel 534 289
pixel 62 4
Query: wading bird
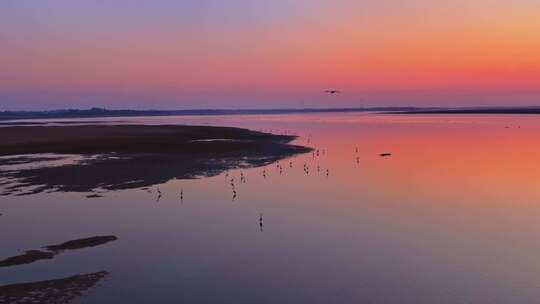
pixel 159 195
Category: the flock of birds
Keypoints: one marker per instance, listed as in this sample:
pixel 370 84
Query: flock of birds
pixel 307 167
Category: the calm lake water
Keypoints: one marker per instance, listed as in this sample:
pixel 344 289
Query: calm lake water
pixel 452 216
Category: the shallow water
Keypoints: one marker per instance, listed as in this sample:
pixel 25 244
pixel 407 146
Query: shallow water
pixel 452 216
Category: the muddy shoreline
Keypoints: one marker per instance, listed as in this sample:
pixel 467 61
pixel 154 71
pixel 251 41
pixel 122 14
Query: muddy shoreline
pixel 95 139
pixel 133 156
pixel 64 290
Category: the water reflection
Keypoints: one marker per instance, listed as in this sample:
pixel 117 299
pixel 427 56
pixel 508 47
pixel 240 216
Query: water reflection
pixel 451 217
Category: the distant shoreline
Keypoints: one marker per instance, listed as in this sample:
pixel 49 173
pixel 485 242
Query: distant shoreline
pixel 106 113
pixel 99 112
pixel 521 111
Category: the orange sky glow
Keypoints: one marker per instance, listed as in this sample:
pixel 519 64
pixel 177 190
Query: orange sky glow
pixel 200 54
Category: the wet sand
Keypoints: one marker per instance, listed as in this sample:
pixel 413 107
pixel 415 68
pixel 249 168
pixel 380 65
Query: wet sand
pixel 82 243
pixel 133 156
pixel 31 256
pixel 92 139
pixel 63 290
pixel 56 291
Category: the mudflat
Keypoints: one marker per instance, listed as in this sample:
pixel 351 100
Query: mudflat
pixel 55 291
pixel 132 156
pixel 91 139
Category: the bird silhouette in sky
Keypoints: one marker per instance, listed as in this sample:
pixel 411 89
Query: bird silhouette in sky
pixel 332 92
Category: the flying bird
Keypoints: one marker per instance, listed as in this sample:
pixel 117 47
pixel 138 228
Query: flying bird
pixel 332 92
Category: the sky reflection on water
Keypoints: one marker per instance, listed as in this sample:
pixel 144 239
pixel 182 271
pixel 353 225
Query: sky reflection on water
pixel 451 217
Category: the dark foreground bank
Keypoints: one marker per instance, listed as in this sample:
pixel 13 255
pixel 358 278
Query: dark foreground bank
pixel 94 139
pixel 132 156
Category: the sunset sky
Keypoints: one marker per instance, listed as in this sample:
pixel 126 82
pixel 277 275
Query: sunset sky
pixel 167 54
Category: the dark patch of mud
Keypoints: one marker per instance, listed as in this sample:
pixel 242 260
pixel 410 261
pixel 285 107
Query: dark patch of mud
pixel 32 256
pixel 28 257
pixel 27 159
pixel 36 123
pixel 56 291
pixel 82 243
pixel 141 156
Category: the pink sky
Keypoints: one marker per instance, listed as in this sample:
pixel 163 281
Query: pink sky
pixel 249 54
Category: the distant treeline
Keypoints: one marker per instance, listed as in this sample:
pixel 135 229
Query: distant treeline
pixel 101 112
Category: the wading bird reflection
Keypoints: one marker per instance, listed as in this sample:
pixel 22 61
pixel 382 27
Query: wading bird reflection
pixel 159 195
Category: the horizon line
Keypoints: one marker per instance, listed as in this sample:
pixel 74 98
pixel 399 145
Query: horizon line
pixel 278 109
